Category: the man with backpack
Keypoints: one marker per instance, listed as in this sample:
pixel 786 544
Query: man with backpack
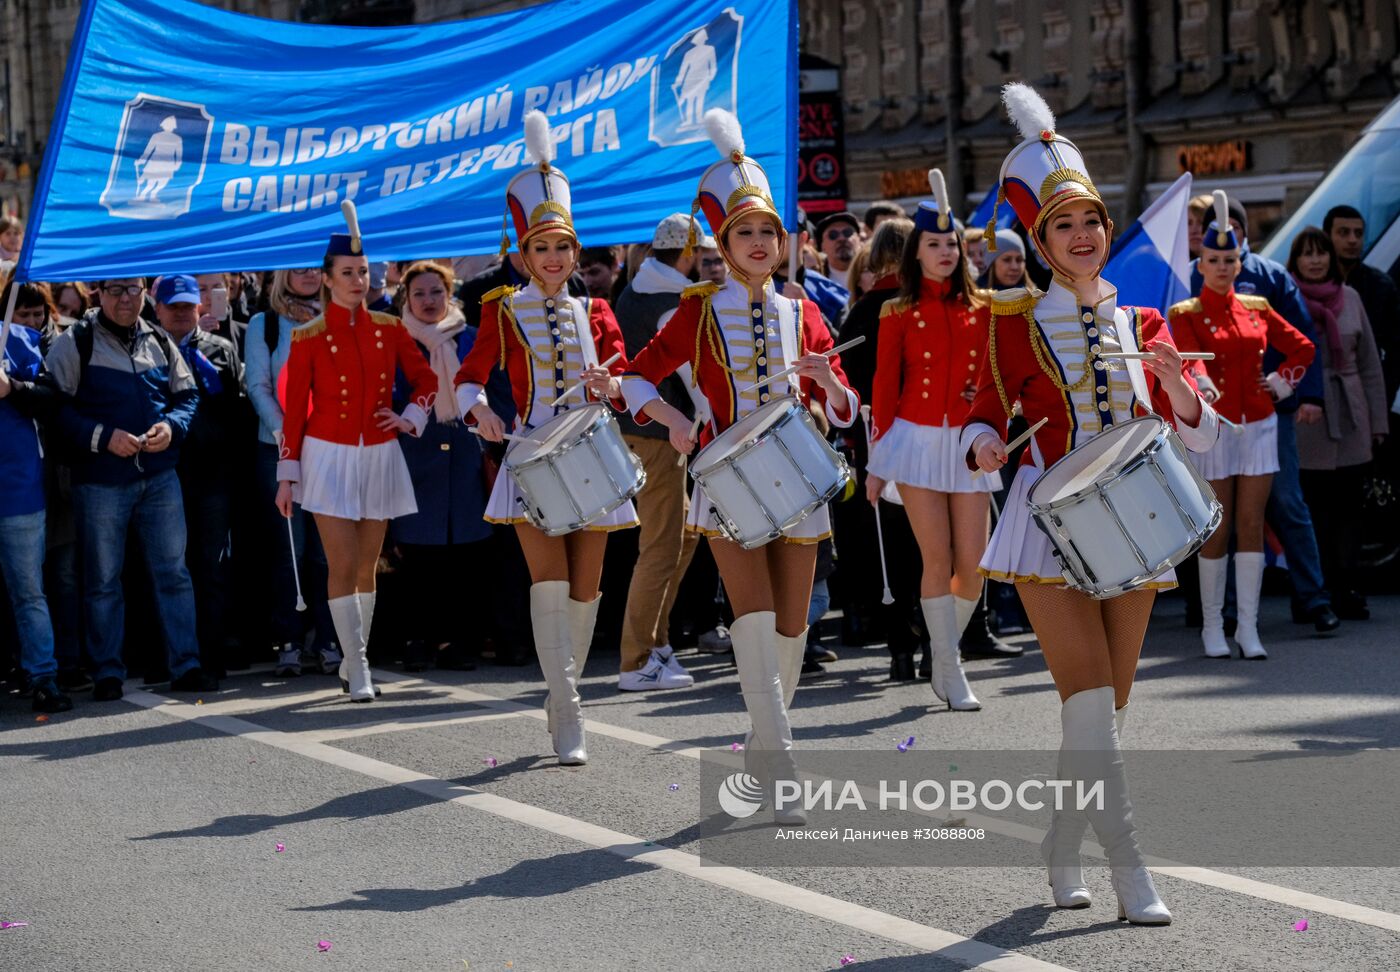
pixel 130 401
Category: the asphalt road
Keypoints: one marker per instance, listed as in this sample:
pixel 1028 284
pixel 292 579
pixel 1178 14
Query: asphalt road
pixel 432 830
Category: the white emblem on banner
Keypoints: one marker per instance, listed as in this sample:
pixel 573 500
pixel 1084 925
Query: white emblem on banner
pixel 158 159
pixel 699 72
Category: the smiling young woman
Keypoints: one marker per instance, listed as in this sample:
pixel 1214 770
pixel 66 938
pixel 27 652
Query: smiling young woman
pixel 1052 353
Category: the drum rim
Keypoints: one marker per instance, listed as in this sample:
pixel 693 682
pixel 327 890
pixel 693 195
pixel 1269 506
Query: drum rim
pixel 589 430
pixel 1078 496
pixel 789 401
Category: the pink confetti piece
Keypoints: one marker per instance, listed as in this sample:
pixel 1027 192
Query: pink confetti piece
pixel 848 960
pixel 674 787
pixel 41 718
pixel 490 761
pixel 736 747
pixel 1300 925
pixel 7 925
pixel 281 847
pixel 323 946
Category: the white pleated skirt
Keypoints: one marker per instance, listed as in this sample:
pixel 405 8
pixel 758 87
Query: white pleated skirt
pixel 929 457
pixel 504 506
pixel 1247 449
pixel 1019 552
pixel 814 528
pixel 354 482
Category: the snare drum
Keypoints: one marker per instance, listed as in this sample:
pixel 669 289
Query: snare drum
pixel 1124 507
pixel 767 472
pixel 581 470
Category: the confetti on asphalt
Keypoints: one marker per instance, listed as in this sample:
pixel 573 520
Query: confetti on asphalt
pixel 323 946
pixel 736 747
pixel 41 718
pixel 952 767
pixel 1300 925
pixel 7 925
pixel 281 847
pixel 674 787
pixel 906 745
pixel 490 761
pixel 848 960
pixel 198 701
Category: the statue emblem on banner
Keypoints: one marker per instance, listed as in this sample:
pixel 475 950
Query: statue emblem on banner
pixel 158 159
pixel 699 71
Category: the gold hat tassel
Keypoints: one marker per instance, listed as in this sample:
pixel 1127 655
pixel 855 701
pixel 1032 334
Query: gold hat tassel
pixel 505 234
pixel 691 239
pixel 989 235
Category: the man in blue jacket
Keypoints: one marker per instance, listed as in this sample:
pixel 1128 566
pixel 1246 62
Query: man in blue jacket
pixel 130 402
pixel 1287 513
pixel 25 395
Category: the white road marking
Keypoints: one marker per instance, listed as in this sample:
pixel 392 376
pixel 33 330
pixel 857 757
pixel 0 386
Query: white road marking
pixel 942 944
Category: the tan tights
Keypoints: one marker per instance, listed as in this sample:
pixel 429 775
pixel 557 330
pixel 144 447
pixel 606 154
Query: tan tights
pixel 574 557
pixel 775 577
pixel 352 553
pixel 1087 643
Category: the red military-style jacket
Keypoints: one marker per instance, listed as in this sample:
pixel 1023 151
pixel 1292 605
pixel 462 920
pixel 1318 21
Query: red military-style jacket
pixel 501 342
pixel 1239 328
pixel 339 374
pixel 1012 372
pixel 693 337
pixel 930 354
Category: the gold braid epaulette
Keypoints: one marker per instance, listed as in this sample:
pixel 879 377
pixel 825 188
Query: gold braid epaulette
pixel 1191 305
pixel 383 319
pixel 1016 300
pixel 893 306
pixel 312 328
pixel 499 295
pixel 1253 301
pixel 707 288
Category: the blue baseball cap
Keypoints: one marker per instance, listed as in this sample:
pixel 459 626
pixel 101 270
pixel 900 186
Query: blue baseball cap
pixel 177 288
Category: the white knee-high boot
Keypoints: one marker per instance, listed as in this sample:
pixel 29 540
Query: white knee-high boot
pixel 790 652
pixel 949 681
pixel 1249 579
pixel 963 610
pixel 583 617
pixel 1061 846
pixel 350 630
pixel 1212 575
pixel 549 616
pixel 760 681
pixel 1090 749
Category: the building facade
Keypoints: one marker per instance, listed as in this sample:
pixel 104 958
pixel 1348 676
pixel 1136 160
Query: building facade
pixel 1258 97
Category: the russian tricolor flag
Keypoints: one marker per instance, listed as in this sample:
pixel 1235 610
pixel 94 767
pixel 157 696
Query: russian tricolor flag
pixel 1150 263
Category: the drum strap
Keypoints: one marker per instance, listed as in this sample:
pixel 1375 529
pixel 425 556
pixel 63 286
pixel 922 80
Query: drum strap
pixel 585 334
pixel 1137 376
pixel 790 331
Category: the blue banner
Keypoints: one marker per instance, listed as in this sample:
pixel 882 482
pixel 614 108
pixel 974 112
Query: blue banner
pixel 195 140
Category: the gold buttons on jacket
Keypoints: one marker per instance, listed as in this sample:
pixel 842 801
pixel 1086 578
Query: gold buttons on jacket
pixel 763 360
pixel 924 394
pixel 1102 389
pixel 558 383
pixel 972 367
pixel 378 332
pixel 972 353
pixel 379 344
pixel 1088 318
pixel 343 415
pixel 1093 332
pixel 928 354
pixel 446 447
pixel 922 323
pixel 382 376
pixel 344 378
pixel 925 381
pixel 1103 406
pixel 763 397
pixel 757 312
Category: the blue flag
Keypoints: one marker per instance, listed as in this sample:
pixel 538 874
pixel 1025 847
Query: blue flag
pixel 1150 263
pixel 191 139
pixel 1006 216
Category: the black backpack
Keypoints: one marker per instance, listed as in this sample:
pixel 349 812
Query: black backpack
pixel 83 338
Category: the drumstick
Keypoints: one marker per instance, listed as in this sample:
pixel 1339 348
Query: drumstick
pixel 787 371
pixel 1148 355
pixel 694 431
pixel 296 575
pixel 507 435
pixel 1017 442
pixel 579 384
pixel 886 597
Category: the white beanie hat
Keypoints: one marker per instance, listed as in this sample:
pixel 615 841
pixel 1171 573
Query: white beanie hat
pixel 671 233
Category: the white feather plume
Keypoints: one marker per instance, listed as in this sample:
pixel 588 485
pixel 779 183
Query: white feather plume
pixel 1222 210
pixel 725 131
pixel 537 139
pixel 352 218
pixel 1028 110
pixel 940 196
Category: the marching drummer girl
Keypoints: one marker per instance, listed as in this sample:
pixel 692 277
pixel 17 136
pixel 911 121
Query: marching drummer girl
pixel 1238 328
pixel 547 340
pixel 340 456
pixel 933 337
pixel 735 335
pixel 1053 352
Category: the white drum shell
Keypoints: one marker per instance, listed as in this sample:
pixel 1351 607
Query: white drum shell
pixel 764 474
pixel 582 478
pixel 1135 520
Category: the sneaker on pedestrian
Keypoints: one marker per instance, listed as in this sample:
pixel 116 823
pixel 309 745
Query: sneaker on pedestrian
pixel 673 664
pixel 652 676
pixel 288 661
pixel 820 653
pixel 194 680
pixel 107 690
pixel 810 666
pixel 330 661
pixel 717 641
pixel 47 697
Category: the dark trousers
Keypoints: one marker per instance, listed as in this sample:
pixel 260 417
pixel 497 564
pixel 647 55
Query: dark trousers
pixel 432 582
pixel 207 512
pixel 1334 500
pixel 281 597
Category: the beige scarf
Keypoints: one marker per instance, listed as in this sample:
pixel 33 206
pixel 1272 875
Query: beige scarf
pixel 440 340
